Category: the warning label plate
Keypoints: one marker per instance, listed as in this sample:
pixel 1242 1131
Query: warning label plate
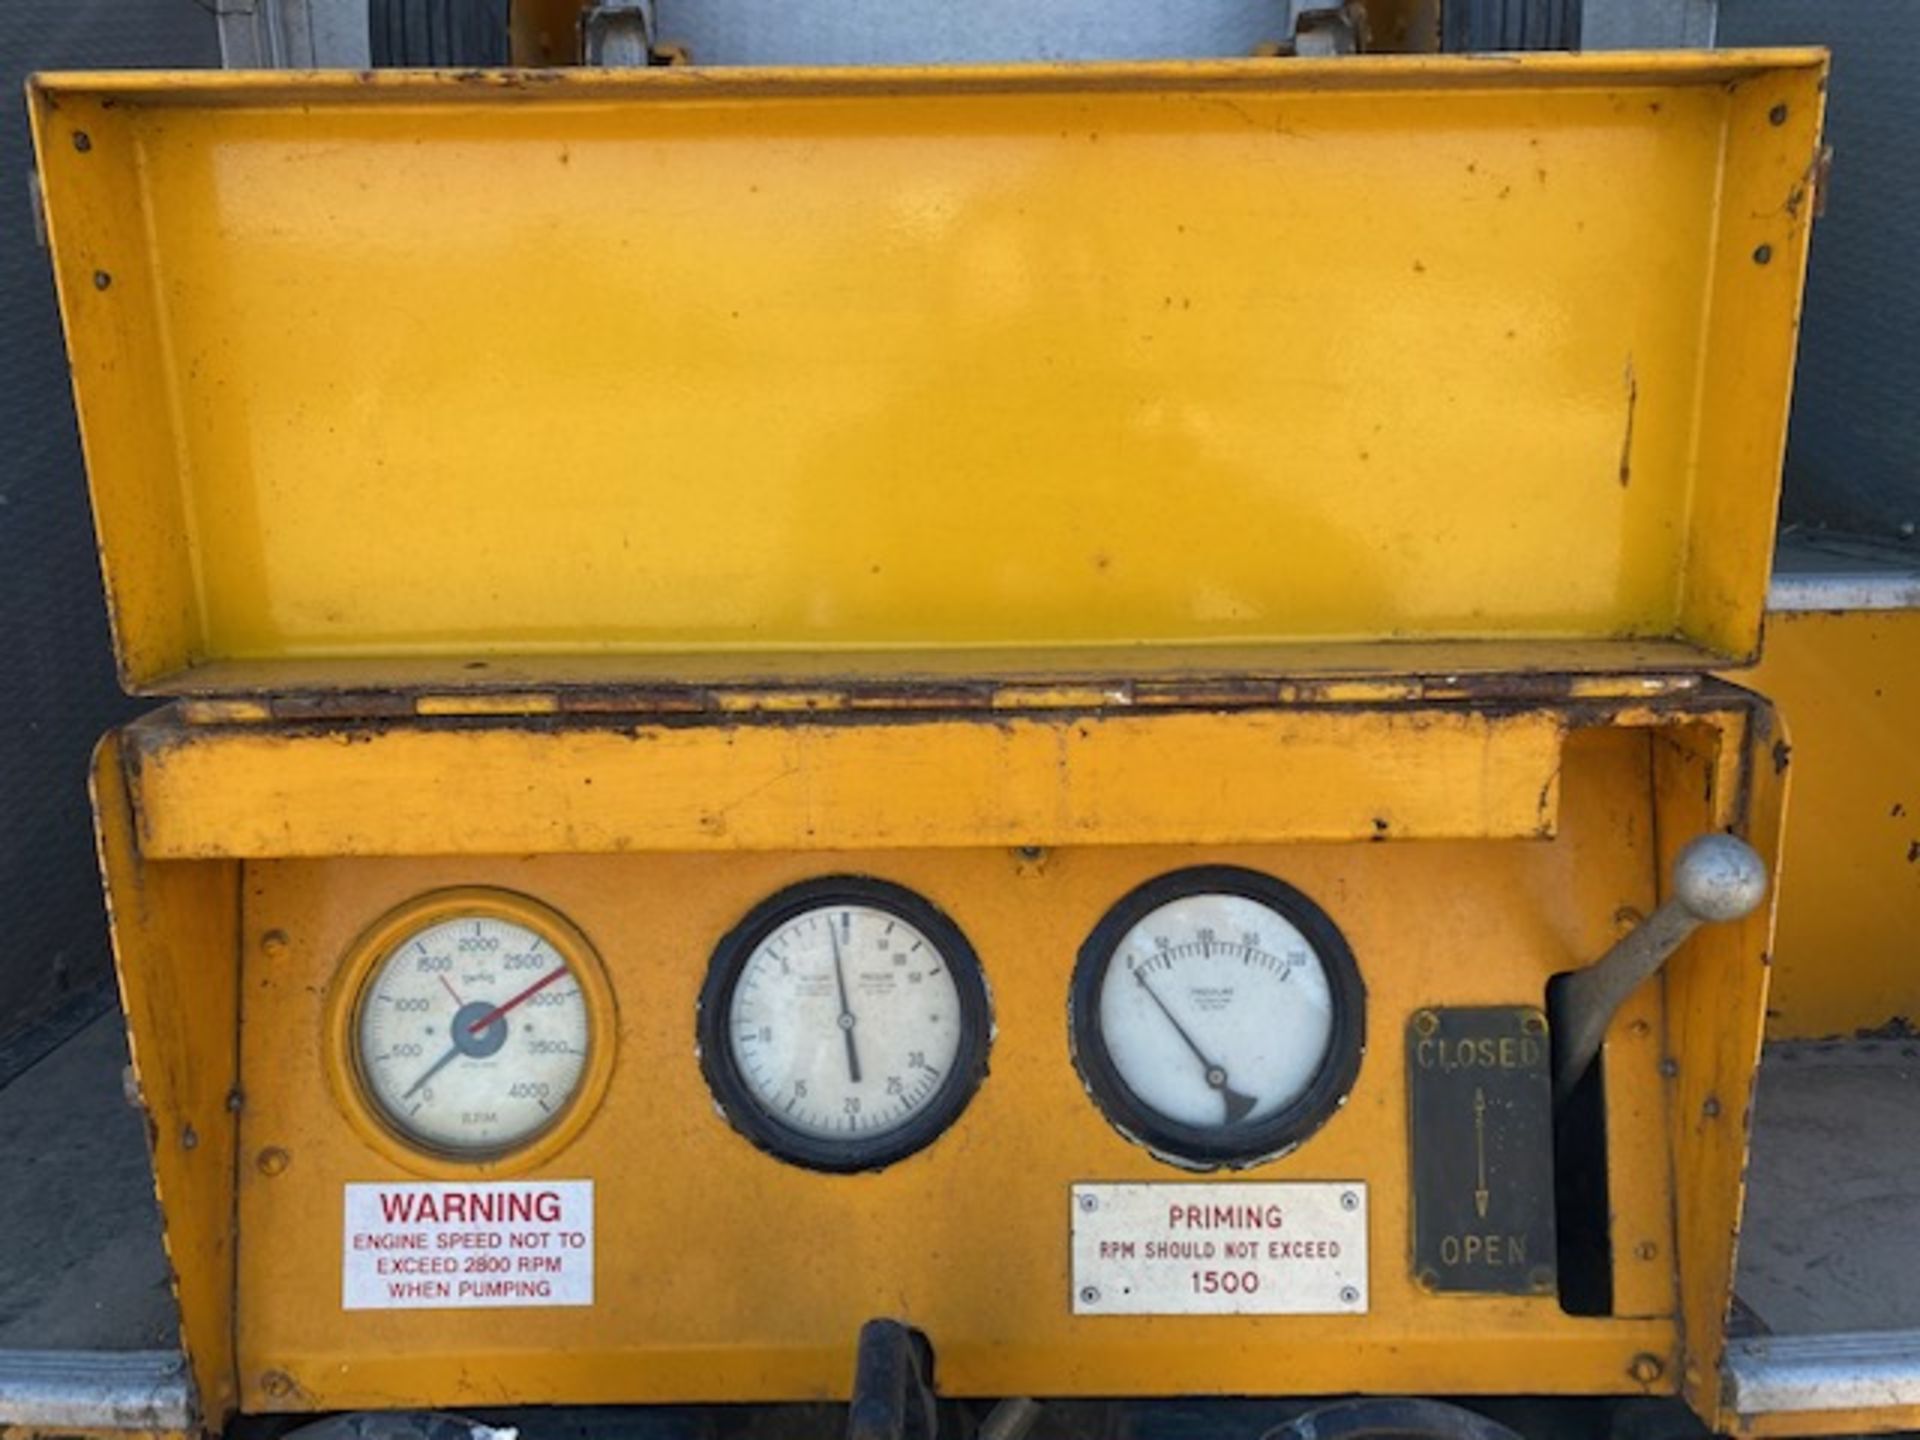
pixel 1223 1249
pixel 467 1247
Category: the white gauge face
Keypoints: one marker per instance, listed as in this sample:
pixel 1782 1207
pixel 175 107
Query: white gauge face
pixel 845 1023
pixel 1216 1011
pixel 472 1035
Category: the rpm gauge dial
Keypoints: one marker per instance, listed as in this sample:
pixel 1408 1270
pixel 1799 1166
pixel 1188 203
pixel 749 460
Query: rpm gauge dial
pixel 844 1024
pixel 1217 1016
pixel 477 1024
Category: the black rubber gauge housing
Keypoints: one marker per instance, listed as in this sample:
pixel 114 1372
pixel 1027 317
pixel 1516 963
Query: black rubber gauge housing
pixel 744 1108
pixel 1232 1144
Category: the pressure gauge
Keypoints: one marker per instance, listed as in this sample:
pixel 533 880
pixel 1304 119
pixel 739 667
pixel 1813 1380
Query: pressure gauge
pixel 844 1024
pixel 478 1024
pixel 1217 1017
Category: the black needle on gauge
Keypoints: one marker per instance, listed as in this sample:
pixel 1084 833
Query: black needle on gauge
pixel 846 1010
pixel 1238 1105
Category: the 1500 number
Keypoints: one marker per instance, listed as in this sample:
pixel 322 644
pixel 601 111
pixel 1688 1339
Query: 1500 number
pixel 1225 1282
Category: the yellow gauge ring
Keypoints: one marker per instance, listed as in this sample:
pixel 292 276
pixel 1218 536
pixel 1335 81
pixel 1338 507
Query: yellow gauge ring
pixel 347 997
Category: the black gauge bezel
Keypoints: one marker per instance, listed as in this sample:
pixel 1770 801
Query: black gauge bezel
pixel 743 1109
pixel 1194 1147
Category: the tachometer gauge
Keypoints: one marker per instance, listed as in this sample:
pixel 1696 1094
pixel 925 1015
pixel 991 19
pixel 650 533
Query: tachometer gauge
pixel 844 1024
pixel 478 1024
pixel 1217 1017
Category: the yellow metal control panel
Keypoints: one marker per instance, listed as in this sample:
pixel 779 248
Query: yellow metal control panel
pixel 725 1261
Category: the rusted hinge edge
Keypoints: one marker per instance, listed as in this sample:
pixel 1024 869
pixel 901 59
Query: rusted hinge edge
pixel 986 697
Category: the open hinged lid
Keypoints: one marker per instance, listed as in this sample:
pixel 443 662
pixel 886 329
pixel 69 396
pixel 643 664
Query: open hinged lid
pixel 1185 371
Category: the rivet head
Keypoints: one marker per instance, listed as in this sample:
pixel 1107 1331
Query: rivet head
pixel 1089 1294
pixel 277 1383
pixel 101 279
pixel 82 141
pixel 1646 1369
pixel 1762 254
pixel 1089 1204
pixel 273 944
pixel 1030 860
pixel 1777 115
pixel 1645 1250
pixel 189 1138
pixel 272 1161
pixel 1426 1022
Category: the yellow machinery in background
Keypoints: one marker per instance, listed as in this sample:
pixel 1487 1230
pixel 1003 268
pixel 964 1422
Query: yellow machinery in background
pixel 1846 673
pixel 1018 701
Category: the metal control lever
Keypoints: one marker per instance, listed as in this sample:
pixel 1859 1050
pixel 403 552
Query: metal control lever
pixel 892 1385
pixel 1715 878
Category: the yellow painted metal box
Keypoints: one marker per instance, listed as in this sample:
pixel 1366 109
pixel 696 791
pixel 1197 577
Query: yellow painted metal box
pixel 1232 369
pixel 633 495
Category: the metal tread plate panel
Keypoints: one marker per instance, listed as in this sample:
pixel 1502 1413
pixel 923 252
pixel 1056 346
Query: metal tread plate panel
pixel 1823 572
pixel 141 1390
pixel 1032 340
pixel 1860 1370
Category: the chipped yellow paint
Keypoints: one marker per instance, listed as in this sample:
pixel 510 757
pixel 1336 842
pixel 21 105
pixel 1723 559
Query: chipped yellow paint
pixel 898 783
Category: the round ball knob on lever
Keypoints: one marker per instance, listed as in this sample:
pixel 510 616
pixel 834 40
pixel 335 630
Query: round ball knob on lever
pixel 1716 878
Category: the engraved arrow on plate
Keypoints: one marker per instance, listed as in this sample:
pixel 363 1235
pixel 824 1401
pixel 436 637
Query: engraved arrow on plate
pixel 1481 1195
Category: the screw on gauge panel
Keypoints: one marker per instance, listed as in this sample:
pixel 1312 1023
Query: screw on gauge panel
pixel 1089 1294
pixel 1089 1203
pixel 1030 860
pixel 1349 1200
pixel 1349 1295
pixel 1426 1022
pixel 277 1383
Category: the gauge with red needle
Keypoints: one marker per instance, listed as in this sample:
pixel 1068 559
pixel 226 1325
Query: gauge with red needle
pixel 473 1033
